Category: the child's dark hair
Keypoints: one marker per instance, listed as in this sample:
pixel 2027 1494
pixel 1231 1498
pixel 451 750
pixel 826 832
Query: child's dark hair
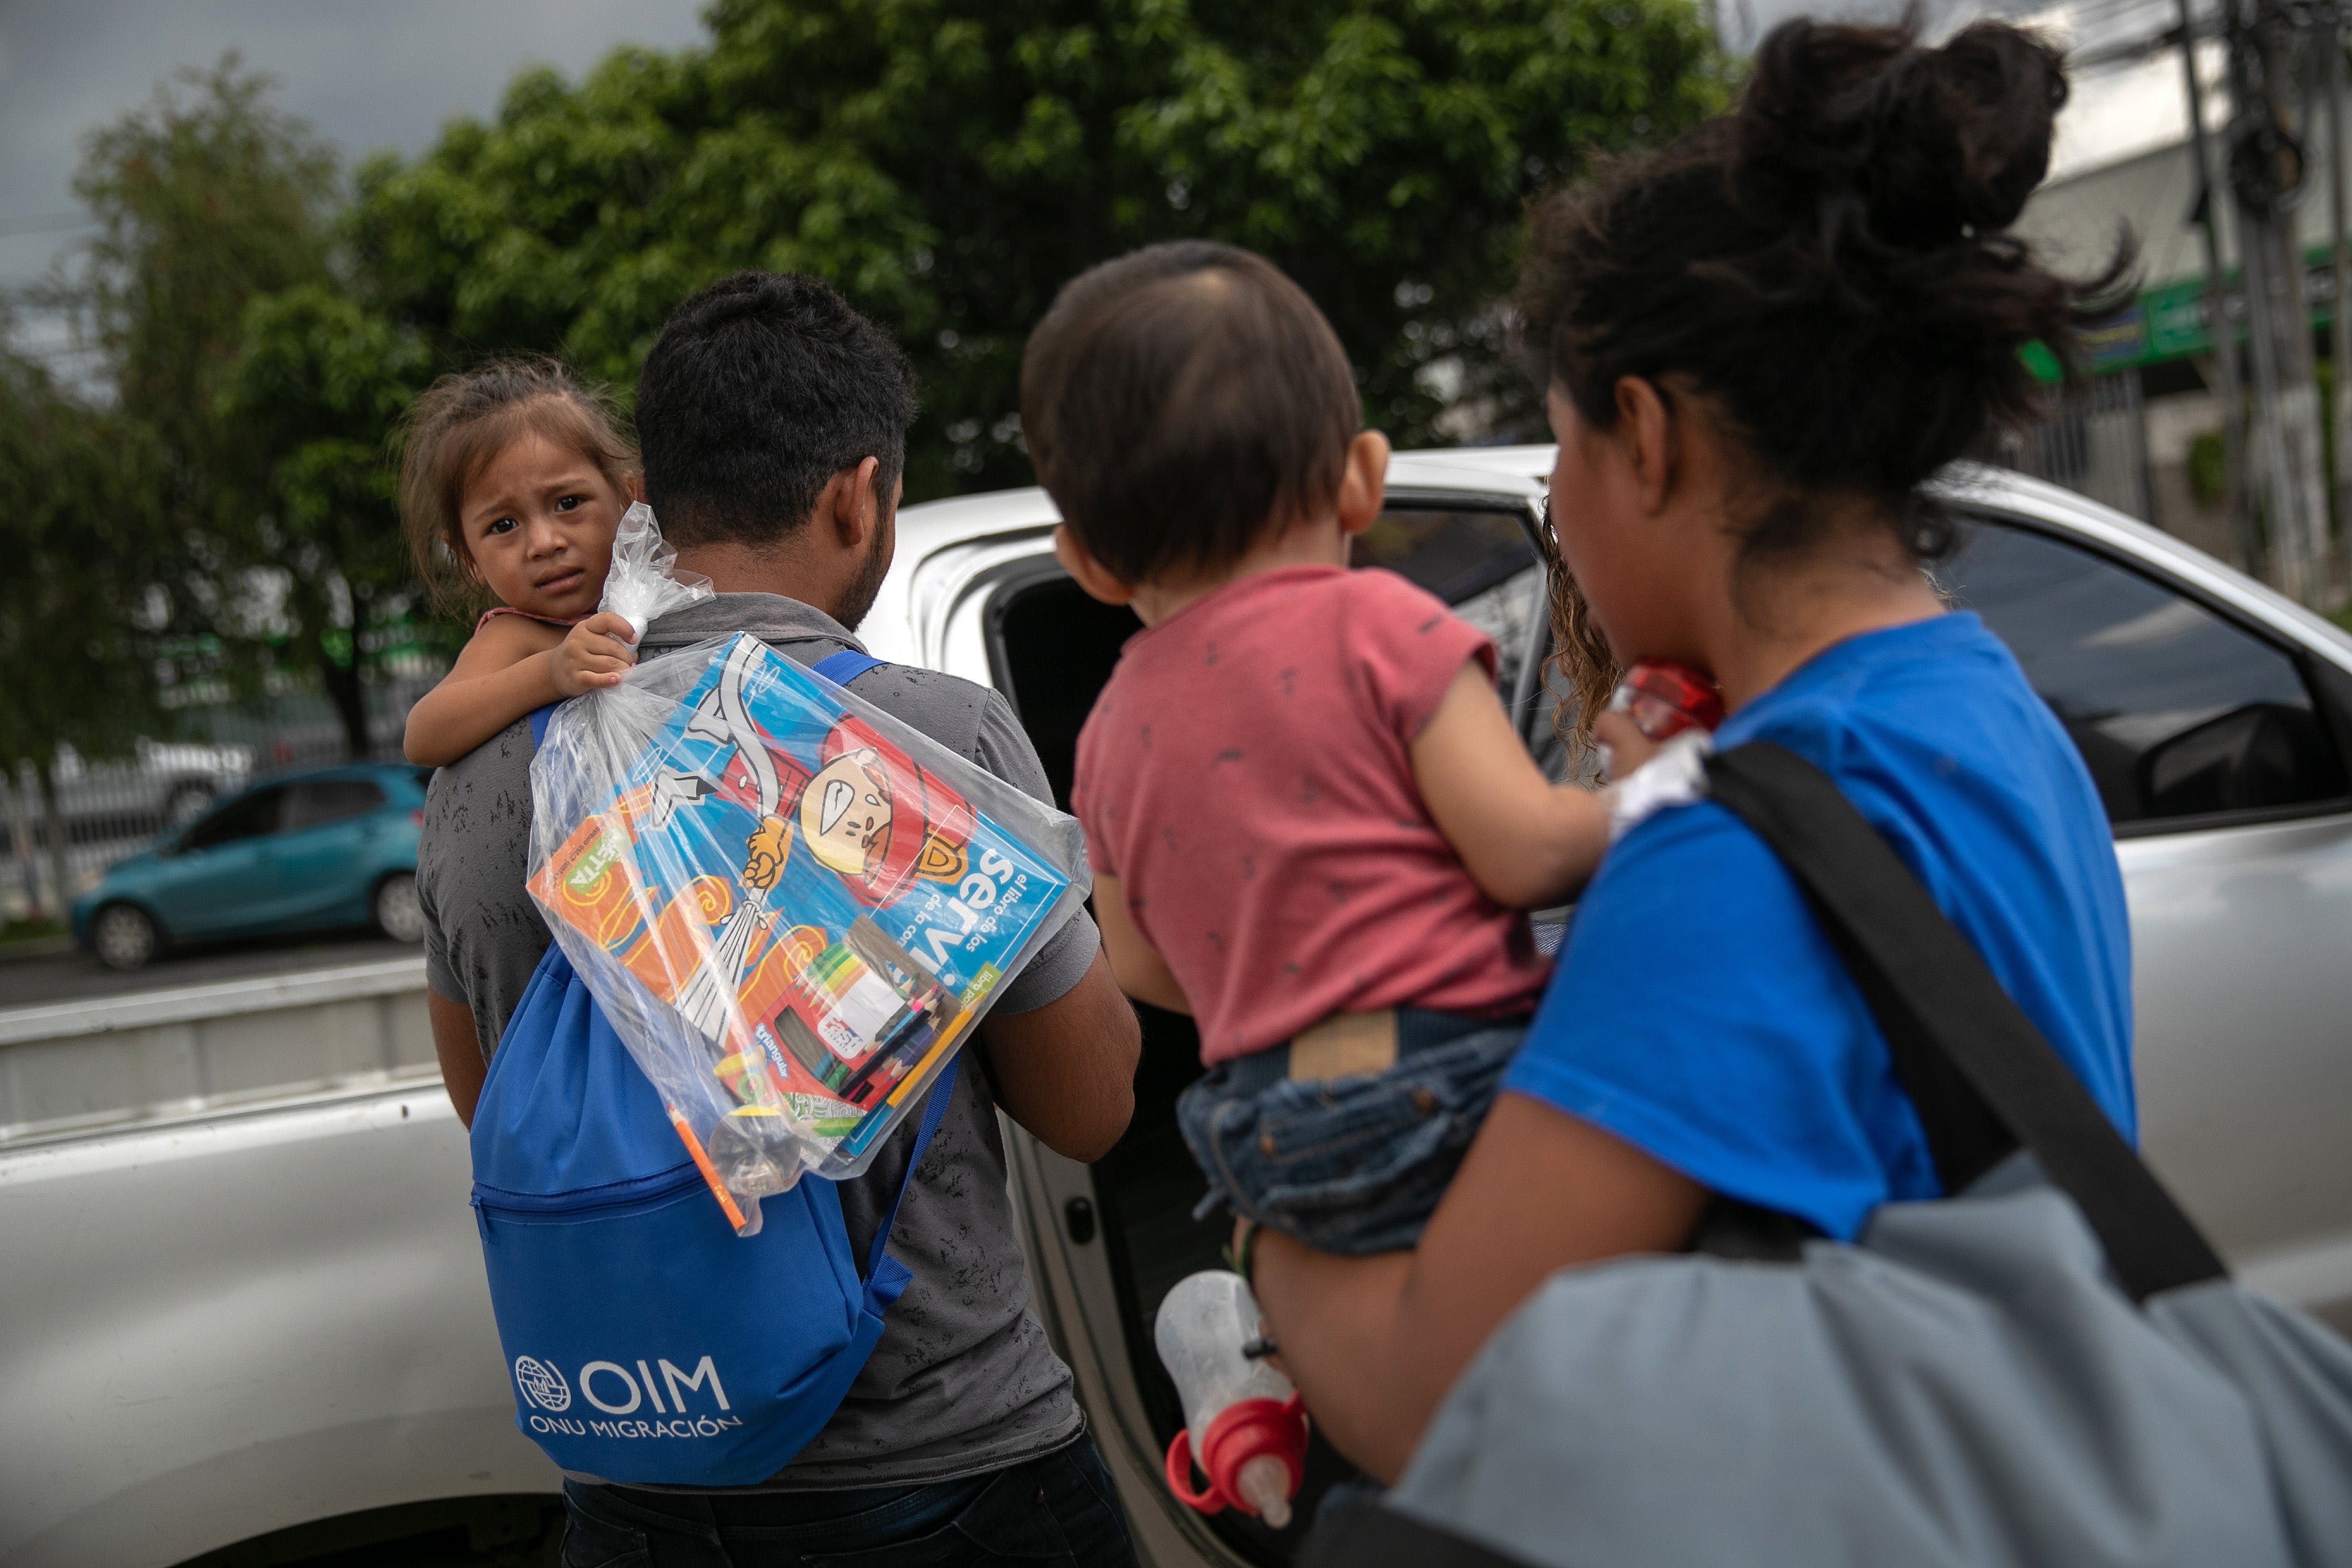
pixel 1830 267
pixel 466 419
pixel 760 389
pixel 1181 403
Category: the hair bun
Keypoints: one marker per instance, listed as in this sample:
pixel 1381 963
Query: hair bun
pixel 1926 146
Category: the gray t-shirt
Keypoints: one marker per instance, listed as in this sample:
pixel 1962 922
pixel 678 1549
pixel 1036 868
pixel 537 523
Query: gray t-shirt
pixel 963 1379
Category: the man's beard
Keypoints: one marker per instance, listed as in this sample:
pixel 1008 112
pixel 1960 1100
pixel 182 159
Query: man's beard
pixel 858 597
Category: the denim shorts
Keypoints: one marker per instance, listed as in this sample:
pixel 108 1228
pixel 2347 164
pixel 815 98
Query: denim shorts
pixel 1353 1165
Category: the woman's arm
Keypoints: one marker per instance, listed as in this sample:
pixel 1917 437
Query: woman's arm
pixel 1526 841
pixel 1374 1343
pixel 512 667
pixel 1143 973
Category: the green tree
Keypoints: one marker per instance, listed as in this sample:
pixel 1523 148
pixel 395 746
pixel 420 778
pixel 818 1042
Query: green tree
pixel 76 629
pixel 948 163
pixel 262 389
pixel 205 199
pixel 317 383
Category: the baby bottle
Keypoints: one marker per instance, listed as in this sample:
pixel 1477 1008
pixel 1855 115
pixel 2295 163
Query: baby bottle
pixel 1244 1423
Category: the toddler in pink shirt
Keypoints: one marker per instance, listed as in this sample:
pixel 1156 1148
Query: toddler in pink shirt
pixel 1311 825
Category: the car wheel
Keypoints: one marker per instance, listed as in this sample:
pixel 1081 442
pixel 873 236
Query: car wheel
pixel 397 913
pixel 124 936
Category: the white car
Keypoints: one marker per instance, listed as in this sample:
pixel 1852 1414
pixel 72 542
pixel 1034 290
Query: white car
pixel 233 1312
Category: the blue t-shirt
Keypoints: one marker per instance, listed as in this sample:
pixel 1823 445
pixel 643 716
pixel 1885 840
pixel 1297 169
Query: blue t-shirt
pixel 1699 1013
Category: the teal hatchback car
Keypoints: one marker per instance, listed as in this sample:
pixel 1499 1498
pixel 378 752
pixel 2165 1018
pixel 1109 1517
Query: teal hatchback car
pixel 309 851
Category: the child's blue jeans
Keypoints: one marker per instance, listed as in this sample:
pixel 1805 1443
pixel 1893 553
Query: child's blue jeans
pixel 1352 1165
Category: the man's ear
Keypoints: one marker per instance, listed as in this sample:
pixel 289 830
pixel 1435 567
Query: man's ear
pixel 1645 423
pixel 1364 481
pixel 1089 574
pixel 849 505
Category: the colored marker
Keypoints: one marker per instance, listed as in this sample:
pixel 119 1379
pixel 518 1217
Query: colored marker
pixel 710 1171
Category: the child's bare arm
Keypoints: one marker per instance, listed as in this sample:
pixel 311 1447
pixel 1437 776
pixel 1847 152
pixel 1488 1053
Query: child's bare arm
pixel 512 667
pixel 1526 841
pixel 1141 972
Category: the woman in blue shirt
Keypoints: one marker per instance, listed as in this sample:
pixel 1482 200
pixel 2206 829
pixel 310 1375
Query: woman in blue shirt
pixel 1756 345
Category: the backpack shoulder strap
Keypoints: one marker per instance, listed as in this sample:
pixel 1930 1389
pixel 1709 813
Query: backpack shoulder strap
pixel 934 1110
pixel 845 667
pixel 1941 1007
pixel 1362 1533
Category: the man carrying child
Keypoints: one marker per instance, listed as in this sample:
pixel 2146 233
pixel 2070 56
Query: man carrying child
pixel 772 419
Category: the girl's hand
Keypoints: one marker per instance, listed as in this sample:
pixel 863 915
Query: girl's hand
pixel 593 656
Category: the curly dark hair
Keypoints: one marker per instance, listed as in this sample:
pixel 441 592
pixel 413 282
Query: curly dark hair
pixel 1831 265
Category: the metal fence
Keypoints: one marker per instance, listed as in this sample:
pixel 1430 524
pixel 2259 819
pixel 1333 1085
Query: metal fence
pixel 2094 442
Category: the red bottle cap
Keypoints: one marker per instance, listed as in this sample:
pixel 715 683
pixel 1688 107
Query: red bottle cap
pixel 1241 1431
pixel 1664 700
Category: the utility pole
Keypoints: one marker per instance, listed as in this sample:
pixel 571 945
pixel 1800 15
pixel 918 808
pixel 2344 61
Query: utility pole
pixel 2266 170
pixel 2222 325
pixel 2330 35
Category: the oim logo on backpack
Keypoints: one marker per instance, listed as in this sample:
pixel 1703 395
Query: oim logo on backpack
pixel 598 1232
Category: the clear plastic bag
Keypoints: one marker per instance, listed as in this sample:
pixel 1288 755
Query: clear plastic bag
pixel 793 908
pixel 643 585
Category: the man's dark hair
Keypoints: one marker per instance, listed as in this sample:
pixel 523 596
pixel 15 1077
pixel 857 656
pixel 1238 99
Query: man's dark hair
pixel 760 389
pixel 1183 402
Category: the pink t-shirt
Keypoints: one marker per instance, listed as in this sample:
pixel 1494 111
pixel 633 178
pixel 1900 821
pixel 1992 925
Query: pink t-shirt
pixel 1244 774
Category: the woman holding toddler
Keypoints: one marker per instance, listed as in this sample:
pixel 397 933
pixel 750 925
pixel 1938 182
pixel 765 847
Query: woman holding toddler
pixel 1757 346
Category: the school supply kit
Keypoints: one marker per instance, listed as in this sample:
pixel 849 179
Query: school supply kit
pixel 779 913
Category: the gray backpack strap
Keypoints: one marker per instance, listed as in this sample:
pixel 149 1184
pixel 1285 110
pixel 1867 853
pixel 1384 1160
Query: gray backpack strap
pixel 1982 1076
pixel 1363 1534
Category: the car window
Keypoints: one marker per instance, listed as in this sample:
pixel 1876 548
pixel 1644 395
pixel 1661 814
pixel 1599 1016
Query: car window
pixel 247 816
pixel 2179 712
pixel 318 802
pixel 1053 647
pixel 1481 562
pixel 1457 555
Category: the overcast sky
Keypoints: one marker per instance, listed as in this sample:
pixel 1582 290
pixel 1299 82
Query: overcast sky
pixel 366 73
pixel 385 73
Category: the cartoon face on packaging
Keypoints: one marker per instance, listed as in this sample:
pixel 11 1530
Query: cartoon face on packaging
pixel 846 814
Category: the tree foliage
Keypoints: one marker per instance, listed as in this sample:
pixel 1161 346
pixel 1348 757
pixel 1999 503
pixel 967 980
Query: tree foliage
pixel 205 199
pixel 80 652
pixel 948 163
pixel 318 384
pixel 261 385
pixel 72 538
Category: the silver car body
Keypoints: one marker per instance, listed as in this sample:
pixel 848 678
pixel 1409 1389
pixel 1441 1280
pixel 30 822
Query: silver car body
pixel 240 1285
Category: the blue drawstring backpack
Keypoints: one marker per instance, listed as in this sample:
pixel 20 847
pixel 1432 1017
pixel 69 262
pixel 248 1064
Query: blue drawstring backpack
pixel 648 1342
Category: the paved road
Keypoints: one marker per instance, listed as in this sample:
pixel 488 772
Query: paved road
pixel 70 976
